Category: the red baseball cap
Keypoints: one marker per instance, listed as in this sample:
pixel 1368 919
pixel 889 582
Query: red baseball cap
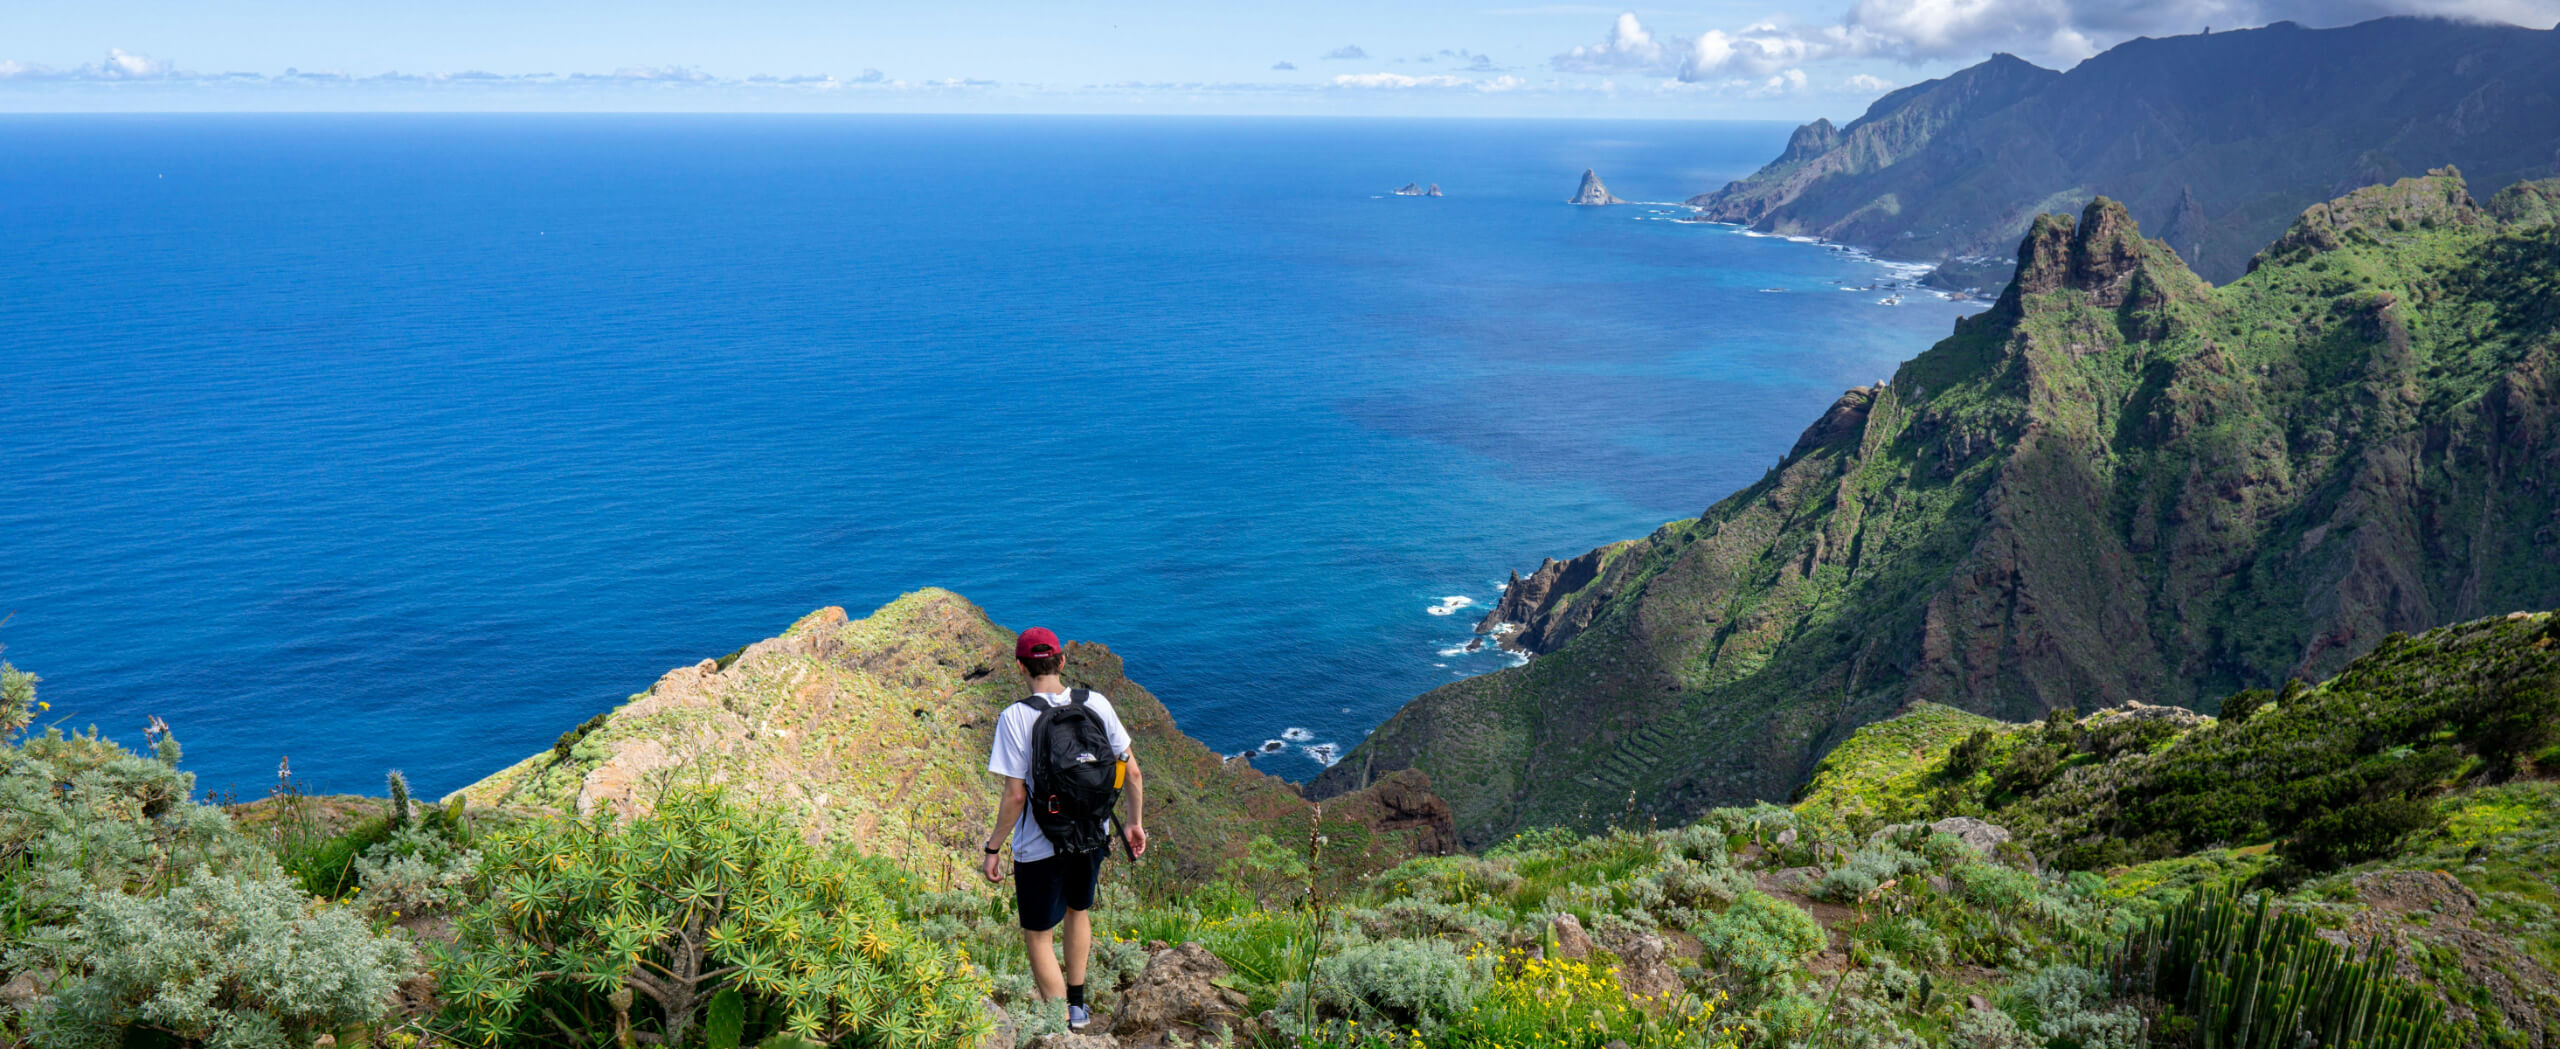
pixel 1036 643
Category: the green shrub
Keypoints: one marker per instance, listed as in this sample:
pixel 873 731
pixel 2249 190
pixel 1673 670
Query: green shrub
pixel 1761 937
pixel 18 704
pixel 80 814
pixel 2069 1006
pixel 415 872
pixel 1402 984
pixel 1866 870
pixel 230 961
pixel 598 927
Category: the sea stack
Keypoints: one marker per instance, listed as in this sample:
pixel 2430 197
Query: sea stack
pixel 1592 192
pixel 1411 189
pixel 1433 191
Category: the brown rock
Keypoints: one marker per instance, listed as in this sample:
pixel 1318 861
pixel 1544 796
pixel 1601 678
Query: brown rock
pixel 1003 1032
pixel 1644 969
pixel 1571 941
pixel 1402 802
pixel 20 990
pixel 1072 1040
pixel 1178 995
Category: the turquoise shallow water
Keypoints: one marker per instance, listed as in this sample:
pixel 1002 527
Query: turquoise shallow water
pixel 409 442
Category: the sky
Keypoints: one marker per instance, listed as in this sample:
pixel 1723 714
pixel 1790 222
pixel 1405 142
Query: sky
pixel 1711 59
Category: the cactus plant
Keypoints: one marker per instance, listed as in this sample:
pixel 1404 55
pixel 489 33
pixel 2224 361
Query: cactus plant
pixel 2255 977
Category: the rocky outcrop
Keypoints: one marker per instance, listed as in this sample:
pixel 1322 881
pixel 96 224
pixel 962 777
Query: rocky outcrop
pixel 1401 803
pixel 1433 191
pixel 1592 191
pixel 2374 212
pixel 1410 189
pixel 2214 141
pixel 875 732
pixel 2119 485
pixel 1183 997
pixel 1532 615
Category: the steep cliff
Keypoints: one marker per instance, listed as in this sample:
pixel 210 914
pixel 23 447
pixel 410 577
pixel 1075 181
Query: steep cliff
pixel 2118 484
pixel 2213 141
pixel 875 732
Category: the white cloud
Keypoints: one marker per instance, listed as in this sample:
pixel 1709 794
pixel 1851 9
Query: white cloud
pixel 1629 47
pixel 121 64
pixel 1346 51
pixel 1867 84
pixel 1786 82
pixel 2057 32
pixel 1401 82
pixel 1284 67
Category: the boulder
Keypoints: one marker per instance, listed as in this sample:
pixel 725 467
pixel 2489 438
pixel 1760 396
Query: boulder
pixel 1003 1033
pixel 1644 967
pixel 1571 941
pixel 1982 837
pixel 20 990
pixel 1179 995
pixel 1072 1040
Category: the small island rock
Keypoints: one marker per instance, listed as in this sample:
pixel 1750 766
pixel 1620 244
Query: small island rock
pixel 1592 191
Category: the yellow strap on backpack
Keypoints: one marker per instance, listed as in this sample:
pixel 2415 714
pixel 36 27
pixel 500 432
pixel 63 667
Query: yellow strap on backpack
pixel 1119 774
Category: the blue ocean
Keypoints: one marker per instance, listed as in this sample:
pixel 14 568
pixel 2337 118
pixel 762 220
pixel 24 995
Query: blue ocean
pixel 377 442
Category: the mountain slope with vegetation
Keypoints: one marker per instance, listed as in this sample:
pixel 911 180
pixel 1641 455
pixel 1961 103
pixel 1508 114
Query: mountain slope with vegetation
pixel 2214 142
pixel 2117 485
pixel 2139 877
pixel 874 732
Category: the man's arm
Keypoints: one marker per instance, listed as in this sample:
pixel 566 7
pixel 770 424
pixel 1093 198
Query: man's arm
pixel 1008 813
pixel 1135 834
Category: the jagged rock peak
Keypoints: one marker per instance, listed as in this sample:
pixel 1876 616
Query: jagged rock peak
pixel 2435 199
pixel 1592 191
pixel 2103 254
pixel 1811 140
pixel 1433 191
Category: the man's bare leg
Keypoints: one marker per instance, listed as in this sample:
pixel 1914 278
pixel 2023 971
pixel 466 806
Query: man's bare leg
pixel 1044 960
pixel 1079 945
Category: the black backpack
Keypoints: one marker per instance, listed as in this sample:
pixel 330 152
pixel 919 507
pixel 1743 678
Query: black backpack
pixel 1075 774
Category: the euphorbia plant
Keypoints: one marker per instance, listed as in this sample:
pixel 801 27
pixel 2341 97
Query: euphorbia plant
pixel 629 930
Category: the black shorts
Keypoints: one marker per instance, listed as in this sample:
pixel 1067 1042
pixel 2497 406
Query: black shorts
pixel 1045 890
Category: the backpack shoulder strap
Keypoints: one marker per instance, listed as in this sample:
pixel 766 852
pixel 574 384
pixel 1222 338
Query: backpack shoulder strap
pixel 1078 696
pixel 1035 702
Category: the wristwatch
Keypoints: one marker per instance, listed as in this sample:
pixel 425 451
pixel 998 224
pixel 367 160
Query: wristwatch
pixel 993 850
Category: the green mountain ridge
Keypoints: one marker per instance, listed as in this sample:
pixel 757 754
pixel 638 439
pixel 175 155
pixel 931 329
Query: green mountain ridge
pixel 2118 485
pixel 2215 142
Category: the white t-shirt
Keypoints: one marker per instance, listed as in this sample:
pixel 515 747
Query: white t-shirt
pixel 1011 756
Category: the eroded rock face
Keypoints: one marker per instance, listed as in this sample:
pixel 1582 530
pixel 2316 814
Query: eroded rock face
pixel 1178 996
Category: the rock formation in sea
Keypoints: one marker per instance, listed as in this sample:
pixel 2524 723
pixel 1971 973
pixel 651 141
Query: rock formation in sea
pixel 1433 191
pixel 1592 191
pixel 1410 189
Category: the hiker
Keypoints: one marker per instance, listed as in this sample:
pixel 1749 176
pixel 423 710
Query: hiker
pixel 1065 748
